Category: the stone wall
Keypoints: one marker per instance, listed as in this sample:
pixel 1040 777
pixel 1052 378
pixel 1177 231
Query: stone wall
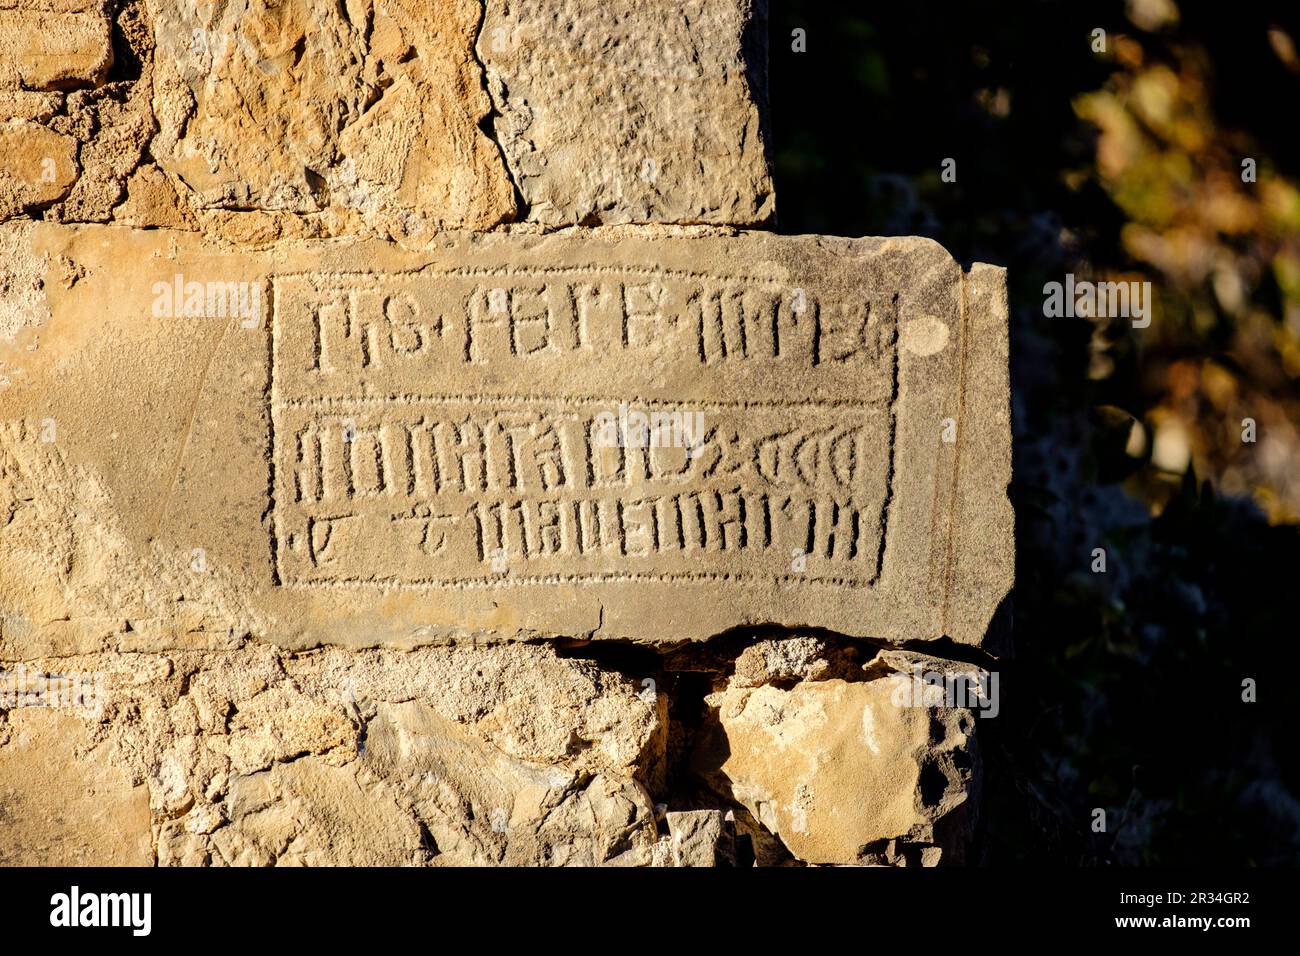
pixel 310 550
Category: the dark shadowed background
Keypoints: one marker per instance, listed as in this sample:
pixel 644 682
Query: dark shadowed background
pixel 1125 688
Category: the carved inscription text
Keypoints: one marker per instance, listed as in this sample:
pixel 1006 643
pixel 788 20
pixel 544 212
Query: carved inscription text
pixel 481 428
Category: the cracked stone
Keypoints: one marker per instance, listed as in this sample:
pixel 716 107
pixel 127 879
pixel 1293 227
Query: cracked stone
pixel 322 496
pixel 256 463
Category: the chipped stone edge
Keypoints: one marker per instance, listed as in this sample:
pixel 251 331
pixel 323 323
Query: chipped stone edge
pixel 981 569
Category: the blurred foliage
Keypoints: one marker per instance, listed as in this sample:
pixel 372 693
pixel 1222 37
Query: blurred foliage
pixel 1124 690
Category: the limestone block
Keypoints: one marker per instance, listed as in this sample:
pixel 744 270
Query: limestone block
pixel 845 772
pixel 367 112
pixel 647 439
pixel 631 111
pixel 695 837
pixel 481 806
pixel 308 813
pixel 28 105
pixel 53 44
pixel 37 166
pixel 63 800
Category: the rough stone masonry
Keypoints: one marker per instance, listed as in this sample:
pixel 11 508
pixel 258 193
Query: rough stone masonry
pixel 415 447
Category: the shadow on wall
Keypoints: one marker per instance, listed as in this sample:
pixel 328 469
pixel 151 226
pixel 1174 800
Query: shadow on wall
pixel 1157 541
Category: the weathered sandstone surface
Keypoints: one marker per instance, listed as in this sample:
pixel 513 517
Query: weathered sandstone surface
pixel 254 121
pixel 411 452
pixel 626 111
pixel 646 440
pixel 475 755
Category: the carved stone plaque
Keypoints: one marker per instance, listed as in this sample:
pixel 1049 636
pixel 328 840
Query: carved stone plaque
pixel 648 439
